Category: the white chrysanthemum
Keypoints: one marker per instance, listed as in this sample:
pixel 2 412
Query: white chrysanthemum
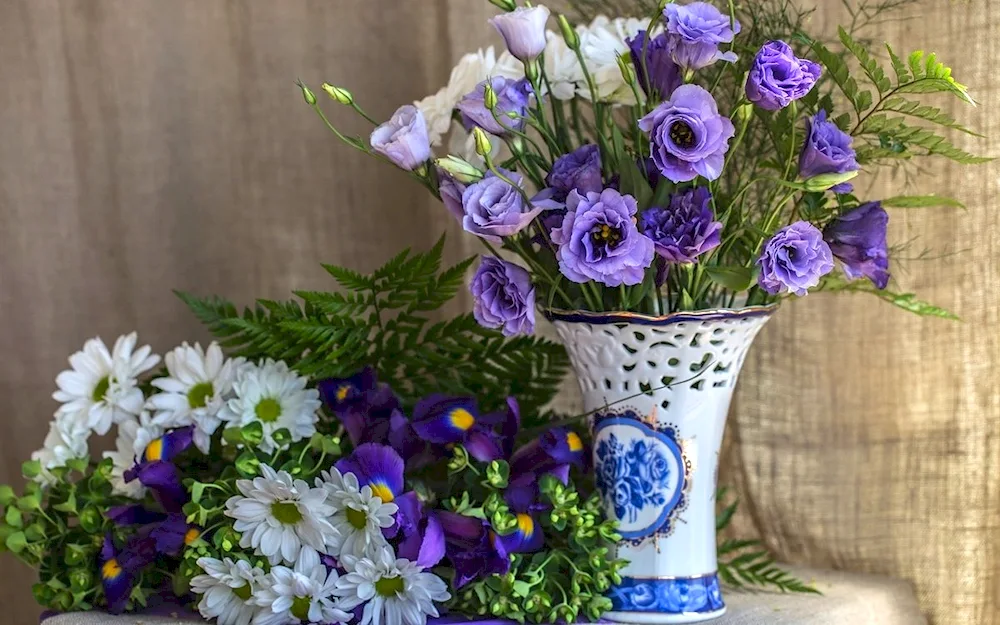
pixel 359 518
pixel 601 43
pixel 394 591
pixel 304 594
pixel 227 590
pixel 101 388
pixel 198 384
pixel 63 443
pixel 134 434
pixel 274 396
pixel 562 67
pixel 278 516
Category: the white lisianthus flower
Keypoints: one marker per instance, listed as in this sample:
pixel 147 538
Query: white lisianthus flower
pixel 303 594
pixel 227 590
pixel 134 434
pixel 601 43
pixel 360 516
pixel 62 444
pixel 276 397
pixel 394 590
pixel 280 517
pixel 198 384
pixel 102 388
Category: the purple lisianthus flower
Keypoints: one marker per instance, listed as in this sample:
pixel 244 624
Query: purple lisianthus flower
pixel 474 549
pixel 664 75
pixel 579 170
pixel 777 76
pixel 363 405
pixel 504 297
pixel 523 30
pixel 451 192
pixel 827 150
pixel 694 32
pixel 444 420
pixel 794 259
pixel 598 239
pixel 494 209
pixel 513 97
pixel 689 138
pixel 377 466
pixel 685 229
pixel 858 240
pixel 403 139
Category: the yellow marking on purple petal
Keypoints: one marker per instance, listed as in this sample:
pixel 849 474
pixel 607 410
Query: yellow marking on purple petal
pixel 110 569
pixel 525 524
pixel 462 418
pixel 191 535
pixel 574 442
pixel 154 450
pixel 383 492
pixel 343 391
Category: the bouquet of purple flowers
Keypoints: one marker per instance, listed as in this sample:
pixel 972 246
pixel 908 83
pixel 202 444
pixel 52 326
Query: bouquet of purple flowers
pixel 669 161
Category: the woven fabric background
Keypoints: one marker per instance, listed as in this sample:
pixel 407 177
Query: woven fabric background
pixel 147 145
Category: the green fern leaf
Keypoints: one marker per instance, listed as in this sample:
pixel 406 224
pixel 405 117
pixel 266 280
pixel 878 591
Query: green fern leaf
pixel 838 70
pixel 925 112
pixel 915 61
pixel 921 201
pixel 870 66
pixel 899 66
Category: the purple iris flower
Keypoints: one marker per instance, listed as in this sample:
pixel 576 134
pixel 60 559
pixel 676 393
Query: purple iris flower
pixel 521 496
pixel 118 571
pixel 827 150
pixel 445 420
pixel 858 240
pixel 422 535
pixel 513 97
pixel 474 549
pixel 579 170
pixel 685 229
pixel 156 471
pixel 694 32
pixel 664 75
pixel 135 514
pixel 377 466
pixel 553 452
pixel 362 404
pixel 777 76
pixel 794 259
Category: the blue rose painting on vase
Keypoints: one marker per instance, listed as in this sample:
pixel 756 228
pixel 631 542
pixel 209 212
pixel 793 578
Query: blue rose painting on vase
pixel 631 475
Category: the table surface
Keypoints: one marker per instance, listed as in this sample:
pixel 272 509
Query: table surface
pixel 848 598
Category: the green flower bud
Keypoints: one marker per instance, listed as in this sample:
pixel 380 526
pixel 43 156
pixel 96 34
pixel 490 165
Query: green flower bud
pixel 459 459
pixel 81 579
pixel 281 436
pixel 532 71
pixel 339 94
pixel 459 169
pixel 625 67
pixel 744 112
pixel 91 519
pixel 307 94
pixel 570 36
pixel 247 464
pixel 43 594
pixel 497 473
pixel 489 97
pixel 483 145
pixel 63 601
pixel 823 182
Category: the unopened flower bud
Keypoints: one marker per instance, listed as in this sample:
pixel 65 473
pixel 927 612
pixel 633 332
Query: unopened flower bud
pixel 459 169
pixel 489 97
pixel 744 112
pixel 307 94
pixel 823 182
pixel 569 34
pixel 483 145
pixel 625 67
pixel 338 93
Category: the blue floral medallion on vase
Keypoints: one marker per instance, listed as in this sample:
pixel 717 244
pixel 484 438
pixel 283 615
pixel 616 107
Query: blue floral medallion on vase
pixel 672 596
pixel 639 473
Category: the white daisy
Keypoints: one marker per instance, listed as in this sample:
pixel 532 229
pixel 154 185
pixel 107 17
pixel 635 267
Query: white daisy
pixel 561 67
pixel 601 43
pixel 63 443
pixel 304 594
pixel 394 591
pixel 277 398
pixel 227 590
pixel 197 387
pixel 101 387
pixel 279 517
pixel 360 516
pixel 134 434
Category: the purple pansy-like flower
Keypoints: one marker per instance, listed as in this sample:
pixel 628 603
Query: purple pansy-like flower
pixel 685 229
pixel 598 239
pixel 493 208
pixel 689 138
pixel 523 30
pixel 664 75
pixel 777 76
pixel 794 259
pixel 378 466
pixel 504 297
pixel 695 31
pixel 513 97
pixel 858 240
pixel 403 139
pixel 474 549
pixel 827 150
pixel 579 170
pixel 444 420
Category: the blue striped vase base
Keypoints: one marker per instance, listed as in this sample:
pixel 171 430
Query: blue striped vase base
pixel 669 600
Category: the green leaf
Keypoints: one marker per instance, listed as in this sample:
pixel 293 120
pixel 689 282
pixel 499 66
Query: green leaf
pixel 922 111
pixel 31 469
pixel 837 69
pixel 13 517
pixel 7 495
pixel 16 542
pixel 634 183
pixel 898 66
pixel 870 66
pixel 909 302
pixel 732 278
pixel 921 201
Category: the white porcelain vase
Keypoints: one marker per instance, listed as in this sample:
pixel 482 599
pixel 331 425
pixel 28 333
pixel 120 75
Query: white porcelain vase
pixel 659 389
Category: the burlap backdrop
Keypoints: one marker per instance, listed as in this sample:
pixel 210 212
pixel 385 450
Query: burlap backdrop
pixel 147 145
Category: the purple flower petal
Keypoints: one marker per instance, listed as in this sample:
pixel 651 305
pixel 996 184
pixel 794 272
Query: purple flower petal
pixel 441 419
pixel 377 466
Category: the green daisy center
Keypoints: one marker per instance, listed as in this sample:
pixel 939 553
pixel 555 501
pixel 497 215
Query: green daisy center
pixel 268 410
pixel 389 586
pixel 357 518
pixel 286 512
pixel 243 592
pixel 101 389
pixel 300 608
pixel 199 394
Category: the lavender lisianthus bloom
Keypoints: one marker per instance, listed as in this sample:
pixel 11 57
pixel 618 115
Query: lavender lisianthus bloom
pixel 578 170
pixel 598 239
pixel 403 139
pixel 504 297
pixel 777 76
pixel 827 150
pixel 686 228
pixel 513 97
pixel 451 191
pixel 664 75
pixel 523 30
pixel 794 259
pixel 858 240
pixel 493 208
pixel 694 32
pixel 689 138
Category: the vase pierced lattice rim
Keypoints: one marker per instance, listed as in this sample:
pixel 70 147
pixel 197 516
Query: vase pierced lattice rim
pixel 583 316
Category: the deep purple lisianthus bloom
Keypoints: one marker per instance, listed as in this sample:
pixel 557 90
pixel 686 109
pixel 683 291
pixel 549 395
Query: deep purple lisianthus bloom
pixel 504 297
pixel 686 229
pixel 378 467
pixel 689 138
pixel 422 535
pixel 523 30
pixel 794 259
pixel 473 547
pixel 494 209
pixel 777 76
pixel 451 192
pixel 403 139
pixel 858 240
pixel 444 420
pixel 598 239
pixel 694 33
pixel 664 75
pixel 362 404
pixel 578 170
pixel 513 97
pixel 827 150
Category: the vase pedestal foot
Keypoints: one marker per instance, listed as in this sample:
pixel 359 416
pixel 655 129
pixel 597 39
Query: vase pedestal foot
pixel 662 618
